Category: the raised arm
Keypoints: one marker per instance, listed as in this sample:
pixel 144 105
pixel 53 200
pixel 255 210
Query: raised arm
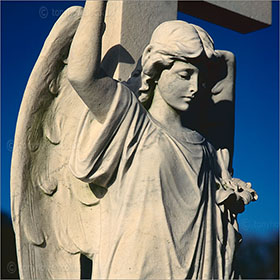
pixel 84 72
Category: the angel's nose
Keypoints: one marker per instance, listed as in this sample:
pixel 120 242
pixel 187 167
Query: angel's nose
pixel 193 87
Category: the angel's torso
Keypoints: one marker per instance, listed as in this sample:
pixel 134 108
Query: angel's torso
pixel 158 218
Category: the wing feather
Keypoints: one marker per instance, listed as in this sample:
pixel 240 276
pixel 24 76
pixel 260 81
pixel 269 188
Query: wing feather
pixel 51 209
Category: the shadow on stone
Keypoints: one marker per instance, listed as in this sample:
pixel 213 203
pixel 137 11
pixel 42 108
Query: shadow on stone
pixel 86 267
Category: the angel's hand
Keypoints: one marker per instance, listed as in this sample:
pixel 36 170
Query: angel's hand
pixel 226 55
pixel 223 79
pixel 242 194
pixel 245 191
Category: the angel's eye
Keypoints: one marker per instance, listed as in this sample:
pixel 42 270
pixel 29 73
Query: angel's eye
pixel 184 75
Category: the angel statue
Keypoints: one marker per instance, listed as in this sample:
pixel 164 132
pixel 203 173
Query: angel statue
pixel 118 172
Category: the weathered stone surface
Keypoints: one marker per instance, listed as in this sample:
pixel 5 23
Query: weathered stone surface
pixel 134 187
pixel 130 24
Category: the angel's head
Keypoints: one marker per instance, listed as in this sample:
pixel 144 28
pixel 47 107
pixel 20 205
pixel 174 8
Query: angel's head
pixel 180 49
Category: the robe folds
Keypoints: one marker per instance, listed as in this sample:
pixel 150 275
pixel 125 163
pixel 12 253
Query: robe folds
pixel 159 218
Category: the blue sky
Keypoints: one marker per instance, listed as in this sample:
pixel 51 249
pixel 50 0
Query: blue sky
pixel 256 158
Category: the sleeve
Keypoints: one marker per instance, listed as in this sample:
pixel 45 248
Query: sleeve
pixel 98 148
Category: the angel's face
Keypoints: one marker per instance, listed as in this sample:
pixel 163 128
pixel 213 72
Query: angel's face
pixel 179 85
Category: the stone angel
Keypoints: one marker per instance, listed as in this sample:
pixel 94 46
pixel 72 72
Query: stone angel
pixel 126 181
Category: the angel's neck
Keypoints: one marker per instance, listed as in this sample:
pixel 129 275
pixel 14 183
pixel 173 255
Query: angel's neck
pixel 168 117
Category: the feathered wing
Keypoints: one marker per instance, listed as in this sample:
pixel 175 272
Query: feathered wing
pixel 55 216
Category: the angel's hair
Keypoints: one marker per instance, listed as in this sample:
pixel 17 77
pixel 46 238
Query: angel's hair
pixel 172 40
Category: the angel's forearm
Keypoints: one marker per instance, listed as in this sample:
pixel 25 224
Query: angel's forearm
pixel 223 161
pixel 85 52
pixel 84 71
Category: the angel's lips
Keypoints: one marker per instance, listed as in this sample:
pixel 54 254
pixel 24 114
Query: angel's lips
pixel 188 98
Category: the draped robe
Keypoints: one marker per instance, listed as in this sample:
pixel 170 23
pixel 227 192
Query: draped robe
pixel 159 218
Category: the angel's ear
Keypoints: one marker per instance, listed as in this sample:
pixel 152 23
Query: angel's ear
pixel 146 54
pixel 149 48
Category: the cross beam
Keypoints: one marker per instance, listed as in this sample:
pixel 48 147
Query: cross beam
pixel 241 16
